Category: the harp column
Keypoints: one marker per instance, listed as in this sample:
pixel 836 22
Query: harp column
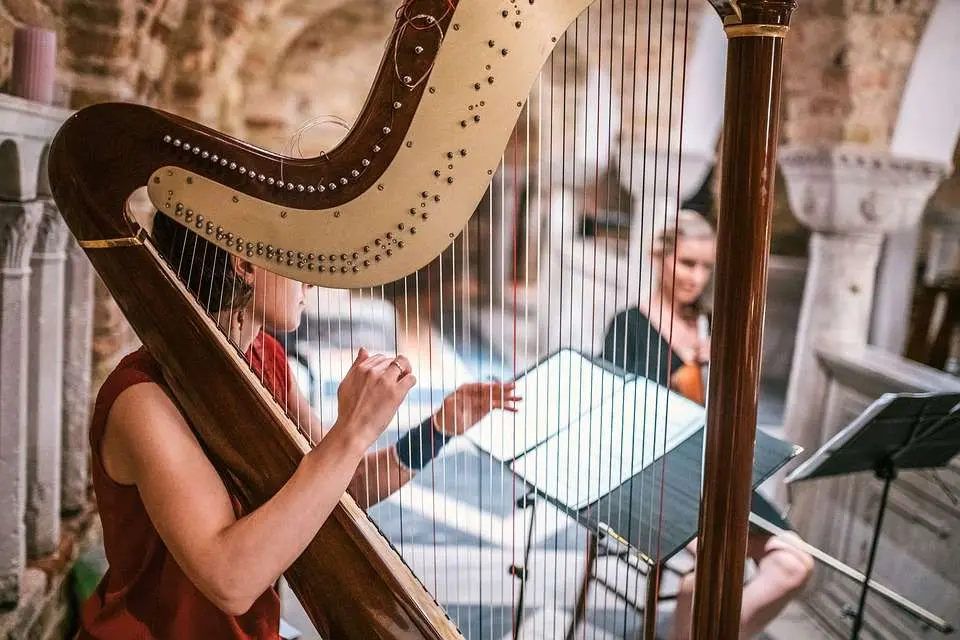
pixel 755 31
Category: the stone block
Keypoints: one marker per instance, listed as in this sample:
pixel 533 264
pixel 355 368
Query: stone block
pixel 16 623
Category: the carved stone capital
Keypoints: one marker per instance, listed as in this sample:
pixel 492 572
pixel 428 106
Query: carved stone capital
pixel 18 231
pixel 654 173
pixel 850 190
pixel 52 233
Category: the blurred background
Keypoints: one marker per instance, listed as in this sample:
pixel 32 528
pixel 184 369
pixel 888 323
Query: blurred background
pixel 863 295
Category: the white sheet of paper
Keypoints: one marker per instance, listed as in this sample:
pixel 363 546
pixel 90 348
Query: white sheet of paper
pixel 605 447
pixel 554 394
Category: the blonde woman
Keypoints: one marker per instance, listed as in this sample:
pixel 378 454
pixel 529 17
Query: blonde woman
pixel 666 339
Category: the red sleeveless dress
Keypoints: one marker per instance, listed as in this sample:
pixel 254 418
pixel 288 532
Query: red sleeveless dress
pixel 144 594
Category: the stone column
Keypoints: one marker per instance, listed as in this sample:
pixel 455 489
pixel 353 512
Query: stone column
pixel 18 229
pixel 895 283
pixel 45 384
pixel 77 363
pixel 850 198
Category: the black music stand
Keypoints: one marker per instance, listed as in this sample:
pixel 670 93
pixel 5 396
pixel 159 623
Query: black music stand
pixel 898 432
pixel 651 512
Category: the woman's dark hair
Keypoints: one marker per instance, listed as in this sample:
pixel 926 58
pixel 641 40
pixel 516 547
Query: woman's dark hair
pixel 205 268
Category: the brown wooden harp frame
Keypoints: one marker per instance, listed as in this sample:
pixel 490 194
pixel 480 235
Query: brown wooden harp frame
pixel 105 152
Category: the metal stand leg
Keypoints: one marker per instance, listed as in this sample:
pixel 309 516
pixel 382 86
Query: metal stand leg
pixel 580 608
pixel 653 596
pixel 886 472
pixel 521 571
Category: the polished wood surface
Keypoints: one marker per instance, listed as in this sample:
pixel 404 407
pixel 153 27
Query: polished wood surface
pixel 748 166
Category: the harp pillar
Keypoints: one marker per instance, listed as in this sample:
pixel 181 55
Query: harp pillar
pixel 755 30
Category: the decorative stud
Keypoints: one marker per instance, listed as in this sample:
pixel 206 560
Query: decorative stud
pixel 376 148
pixel 233 166
pixel 176 142
pixel 214 158
pixel 186 146
pixel 365 162
pixel 167 139
pixel 270 180
pixel 223 162
pixel 354 173
pixel 386 130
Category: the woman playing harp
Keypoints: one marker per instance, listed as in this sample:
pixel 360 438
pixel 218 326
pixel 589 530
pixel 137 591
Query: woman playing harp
pixel 184 562
pixel 665 339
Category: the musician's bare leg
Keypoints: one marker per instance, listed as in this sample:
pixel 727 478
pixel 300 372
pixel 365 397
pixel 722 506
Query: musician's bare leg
pixel 782 571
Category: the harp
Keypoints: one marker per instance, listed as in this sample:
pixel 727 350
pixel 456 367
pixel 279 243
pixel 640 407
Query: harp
pixel 395 193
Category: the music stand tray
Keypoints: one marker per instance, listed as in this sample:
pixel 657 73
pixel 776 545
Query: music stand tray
pixel 898 432
pixel 632 450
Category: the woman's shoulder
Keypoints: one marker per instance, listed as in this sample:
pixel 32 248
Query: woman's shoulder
pixel 632 317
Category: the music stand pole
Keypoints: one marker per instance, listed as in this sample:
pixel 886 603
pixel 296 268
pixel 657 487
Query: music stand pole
pixel 886 471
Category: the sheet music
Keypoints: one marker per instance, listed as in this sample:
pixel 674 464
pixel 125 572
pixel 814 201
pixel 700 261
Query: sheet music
pixel 554 393
pixel 605 447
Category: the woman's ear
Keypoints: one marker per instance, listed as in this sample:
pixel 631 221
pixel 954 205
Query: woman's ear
pixel 243 268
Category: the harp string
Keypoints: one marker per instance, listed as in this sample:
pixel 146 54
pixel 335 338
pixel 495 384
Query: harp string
pixel 580 188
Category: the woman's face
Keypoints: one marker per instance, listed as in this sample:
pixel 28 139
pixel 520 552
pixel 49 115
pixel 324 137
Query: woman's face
pixel 278 302
pixel 686 274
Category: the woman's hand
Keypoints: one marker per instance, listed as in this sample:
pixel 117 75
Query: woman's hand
pixel 471 402
pixel 371 393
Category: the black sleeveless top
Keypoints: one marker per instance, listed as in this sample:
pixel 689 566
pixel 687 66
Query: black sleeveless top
pixel 627 345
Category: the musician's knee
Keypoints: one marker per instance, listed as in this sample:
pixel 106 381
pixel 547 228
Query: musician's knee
pixel 793 568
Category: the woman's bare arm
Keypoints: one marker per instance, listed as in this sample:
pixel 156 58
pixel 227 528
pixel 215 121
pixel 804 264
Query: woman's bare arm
pixel 233 561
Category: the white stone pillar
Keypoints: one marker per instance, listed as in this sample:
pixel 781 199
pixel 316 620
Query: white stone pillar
pixel 850 198
pixel 895 284
pixel 45 384
pixel 18 229
pixel 77 366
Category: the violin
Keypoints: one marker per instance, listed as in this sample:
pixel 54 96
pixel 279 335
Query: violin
pixel 690 380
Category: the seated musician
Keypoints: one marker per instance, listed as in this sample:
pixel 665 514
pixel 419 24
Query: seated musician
pixel 184 562
pixel 669 319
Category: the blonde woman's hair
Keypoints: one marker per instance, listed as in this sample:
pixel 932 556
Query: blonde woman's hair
pixel 687 224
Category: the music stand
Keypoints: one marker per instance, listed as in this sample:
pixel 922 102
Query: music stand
pixel 898 432
pixel 633 450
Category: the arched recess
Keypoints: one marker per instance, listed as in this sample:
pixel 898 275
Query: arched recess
pixel 11 187
pixel 319 64
pixel 927 127
pixel 928 123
